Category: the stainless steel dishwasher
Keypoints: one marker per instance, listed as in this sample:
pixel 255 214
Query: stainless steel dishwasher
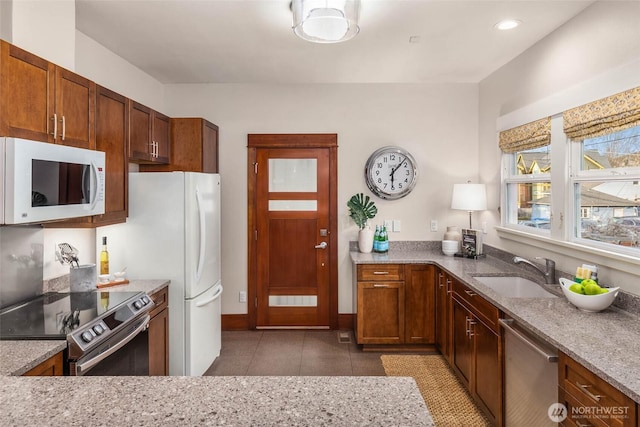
pixel 531 377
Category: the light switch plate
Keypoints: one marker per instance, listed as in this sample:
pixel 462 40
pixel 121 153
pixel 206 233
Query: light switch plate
pixel 396 225
pixel 388 224
pixel 434 225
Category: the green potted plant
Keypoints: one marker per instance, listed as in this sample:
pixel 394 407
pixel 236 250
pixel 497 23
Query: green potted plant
pixel 362 209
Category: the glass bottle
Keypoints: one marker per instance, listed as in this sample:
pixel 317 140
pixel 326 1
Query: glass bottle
pixel 104 257
pixel 384 240
pixel 376 239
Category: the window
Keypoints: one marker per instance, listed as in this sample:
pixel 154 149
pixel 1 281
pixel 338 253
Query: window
pixel 605 185
pixel 527 177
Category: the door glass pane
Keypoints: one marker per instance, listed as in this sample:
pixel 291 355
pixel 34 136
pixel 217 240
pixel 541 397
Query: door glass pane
pixel 293 205
pixel 293 175
pixel 293 300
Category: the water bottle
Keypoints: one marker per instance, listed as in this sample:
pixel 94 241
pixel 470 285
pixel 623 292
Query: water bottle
pixel 384 240
pixel 376 239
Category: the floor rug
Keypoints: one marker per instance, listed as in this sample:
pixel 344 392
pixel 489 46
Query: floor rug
pixel 447 399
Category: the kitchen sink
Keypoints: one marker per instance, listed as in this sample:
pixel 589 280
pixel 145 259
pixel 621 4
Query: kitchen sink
pixel 515 287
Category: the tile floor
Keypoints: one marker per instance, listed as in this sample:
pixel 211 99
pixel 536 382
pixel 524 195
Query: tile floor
pixel 293 352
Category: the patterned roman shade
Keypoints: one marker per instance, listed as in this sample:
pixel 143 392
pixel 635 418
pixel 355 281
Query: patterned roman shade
pixel 607 115
pixel 532 135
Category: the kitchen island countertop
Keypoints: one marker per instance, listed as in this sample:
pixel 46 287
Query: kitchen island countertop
pixel 238 401
pixel 607 343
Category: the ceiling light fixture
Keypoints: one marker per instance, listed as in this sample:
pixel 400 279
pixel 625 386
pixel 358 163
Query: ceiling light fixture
pixel 325 21
pixel 507 24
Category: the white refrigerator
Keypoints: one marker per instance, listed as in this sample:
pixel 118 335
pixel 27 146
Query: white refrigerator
pixel 173 232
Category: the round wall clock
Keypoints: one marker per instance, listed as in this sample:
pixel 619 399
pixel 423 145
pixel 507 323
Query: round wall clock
pixel 391 172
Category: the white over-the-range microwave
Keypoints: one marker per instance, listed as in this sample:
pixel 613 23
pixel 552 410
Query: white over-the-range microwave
pixel 46 182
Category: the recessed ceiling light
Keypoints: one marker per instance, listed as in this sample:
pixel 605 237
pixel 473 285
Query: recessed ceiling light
pixel 507 24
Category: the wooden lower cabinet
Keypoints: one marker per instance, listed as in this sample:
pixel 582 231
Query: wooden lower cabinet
pixel 476 354
pixel 395 304
pixel 380 317
pixel 159 334
pixel 53 366
pixel 591 401
pixel 443 314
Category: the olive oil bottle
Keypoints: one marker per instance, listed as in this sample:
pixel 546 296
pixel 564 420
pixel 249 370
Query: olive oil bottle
pixel 104 257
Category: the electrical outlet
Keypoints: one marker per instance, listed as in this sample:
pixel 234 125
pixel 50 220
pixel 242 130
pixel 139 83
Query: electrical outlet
pixel 243 296
pixel 484 227
pixel 388 224
pixel 434 225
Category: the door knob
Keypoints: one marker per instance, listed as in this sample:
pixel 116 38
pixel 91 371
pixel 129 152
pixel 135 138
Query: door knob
pixel 322 245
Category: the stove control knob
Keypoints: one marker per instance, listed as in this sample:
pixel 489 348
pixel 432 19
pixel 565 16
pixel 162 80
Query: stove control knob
pixel 138 304
pixel 98 329
pixel 87 336
pixel 146 300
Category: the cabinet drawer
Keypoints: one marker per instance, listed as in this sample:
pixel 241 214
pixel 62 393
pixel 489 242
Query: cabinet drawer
pixel 583 388
pixel 160 299
pixel 481 307
pixel 380 272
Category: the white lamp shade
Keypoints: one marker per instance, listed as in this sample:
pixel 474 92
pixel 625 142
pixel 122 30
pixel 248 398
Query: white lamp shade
pixel 469 197
pixel 325 21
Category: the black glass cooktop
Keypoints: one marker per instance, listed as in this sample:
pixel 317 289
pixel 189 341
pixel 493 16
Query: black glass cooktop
pixel 54 315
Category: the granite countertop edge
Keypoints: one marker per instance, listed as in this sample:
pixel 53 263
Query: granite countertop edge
pixel 592 339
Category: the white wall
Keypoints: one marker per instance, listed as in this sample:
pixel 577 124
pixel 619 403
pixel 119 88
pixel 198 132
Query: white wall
pixel 436 123
pixel 104 67
pixel 595 50
pixel 45 28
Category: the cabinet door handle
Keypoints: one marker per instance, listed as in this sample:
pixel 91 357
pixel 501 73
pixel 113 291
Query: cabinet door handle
pixel 378 273
pixel 585 387
pixel 472 324
pixel 449 286
pixel 55 126
pixel 470 293
pixel 378 285
pixel 64 127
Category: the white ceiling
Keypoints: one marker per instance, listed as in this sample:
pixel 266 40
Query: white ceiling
pixel 251 41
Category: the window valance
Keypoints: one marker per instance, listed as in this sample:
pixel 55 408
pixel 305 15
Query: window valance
pixel 607 115
pixel 531 135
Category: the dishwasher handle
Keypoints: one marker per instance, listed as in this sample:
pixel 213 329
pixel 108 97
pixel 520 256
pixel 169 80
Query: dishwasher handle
pixel 507 325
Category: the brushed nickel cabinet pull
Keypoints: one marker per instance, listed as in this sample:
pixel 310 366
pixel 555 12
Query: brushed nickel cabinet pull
pixel 64 127
pixel 470 293
pixel 55 126
pixel 378 285
pixel 380 272
pixel 585 388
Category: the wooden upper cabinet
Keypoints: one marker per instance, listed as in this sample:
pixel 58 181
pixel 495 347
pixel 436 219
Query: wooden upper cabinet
pixel 43 102
pixel 112 135
pixel 75 109
pixel 149 135
pixel 194 147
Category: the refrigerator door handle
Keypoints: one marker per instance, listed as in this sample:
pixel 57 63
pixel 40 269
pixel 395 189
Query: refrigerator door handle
pixel 202 236
pixel 212 299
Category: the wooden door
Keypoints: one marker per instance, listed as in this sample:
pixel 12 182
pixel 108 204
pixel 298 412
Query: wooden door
pixel 140 118
pixel 112 135
pixel 293 231
pixel 487 384
pixel 381 313
pixel 26 94
pixel 75 108
pixel 462 345
pixel 160 133
pixel 420 304
pixel 442 314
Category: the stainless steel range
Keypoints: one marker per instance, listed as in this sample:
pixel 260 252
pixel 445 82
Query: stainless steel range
pixel 105 331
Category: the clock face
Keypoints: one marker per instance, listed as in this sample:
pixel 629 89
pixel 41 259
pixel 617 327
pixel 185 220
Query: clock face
pixel 391 172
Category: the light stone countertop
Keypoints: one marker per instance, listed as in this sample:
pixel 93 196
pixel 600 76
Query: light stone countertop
pixel 607 343
pixel 203 401
pixel 171 401
pixel 17 357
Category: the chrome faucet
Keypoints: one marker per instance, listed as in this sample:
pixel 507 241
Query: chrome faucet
pixel 549 273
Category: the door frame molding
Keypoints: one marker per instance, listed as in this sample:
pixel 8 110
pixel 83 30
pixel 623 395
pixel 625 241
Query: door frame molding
pixel 257 141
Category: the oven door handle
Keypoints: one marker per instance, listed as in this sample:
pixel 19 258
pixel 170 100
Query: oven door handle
pixel 81 368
